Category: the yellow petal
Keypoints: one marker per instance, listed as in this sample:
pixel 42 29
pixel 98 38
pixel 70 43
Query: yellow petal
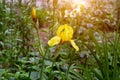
pixel 53 41
pixel 65 32
pixel 74 45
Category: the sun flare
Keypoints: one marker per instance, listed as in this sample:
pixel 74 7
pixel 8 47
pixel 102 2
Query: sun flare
pixel 83 2
pixel 80 2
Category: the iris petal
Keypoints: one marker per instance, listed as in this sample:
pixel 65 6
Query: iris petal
pixel 74 45
pixel 65 32
pixel 54 41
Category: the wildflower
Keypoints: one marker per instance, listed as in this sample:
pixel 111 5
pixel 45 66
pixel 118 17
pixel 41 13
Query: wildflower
pixel 34 17
pixel 66 13
pixel 89 25
pixel 64 34
pixel 98 12
pixel 82 7
pixel 72 15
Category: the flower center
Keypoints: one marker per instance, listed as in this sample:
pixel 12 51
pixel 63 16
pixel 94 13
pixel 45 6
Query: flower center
pixel 62 31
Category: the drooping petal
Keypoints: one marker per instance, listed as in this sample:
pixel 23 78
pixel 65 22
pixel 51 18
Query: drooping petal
pixel 74 45
pixel 53 41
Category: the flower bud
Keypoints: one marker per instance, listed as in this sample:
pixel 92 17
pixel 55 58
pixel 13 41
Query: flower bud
pixel 34 17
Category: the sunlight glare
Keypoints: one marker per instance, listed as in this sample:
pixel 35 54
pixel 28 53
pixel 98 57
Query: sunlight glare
pixel 80 2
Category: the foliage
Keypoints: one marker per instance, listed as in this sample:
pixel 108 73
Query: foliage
pixel 23 56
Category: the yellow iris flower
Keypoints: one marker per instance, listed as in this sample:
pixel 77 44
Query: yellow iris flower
pixel 64 34
pixel 34 17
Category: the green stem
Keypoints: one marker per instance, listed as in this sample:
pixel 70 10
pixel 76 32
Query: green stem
pixel 40 48
pixel 60 72
pixel 56 54
pixel 41 51
pixel 29 74
pixel 50 74
pixel 67 74
pixel 115 58
pixel 54 58
pixel 106 63
pixel 41 71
